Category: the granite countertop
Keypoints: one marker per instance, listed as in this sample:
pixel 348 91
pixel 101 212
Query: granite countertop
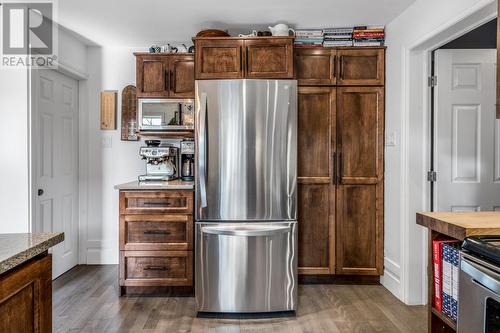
pixel 18 248
pixel 156 185
pixel 461 224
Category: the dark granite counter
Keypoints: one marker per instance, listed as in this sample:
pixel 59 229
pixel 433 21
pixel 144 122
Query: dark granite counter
pixel 16 249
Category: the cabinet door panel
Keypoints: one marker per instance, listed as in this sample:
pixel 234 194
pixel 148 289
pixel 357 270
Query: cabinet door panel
pixel 316 134
pixel 360 135
pixel 359 229
pixel 316 195
pixel 316 228
pixel 182 76
pixel 219 59
pixel 361 67
pixel 315 66
pixel 152 76
pixel 269 58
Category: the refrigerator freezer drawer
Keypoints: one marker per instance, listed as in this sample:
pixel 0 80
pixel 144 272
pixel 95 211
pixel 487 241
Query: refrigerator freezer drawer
pixel 246 267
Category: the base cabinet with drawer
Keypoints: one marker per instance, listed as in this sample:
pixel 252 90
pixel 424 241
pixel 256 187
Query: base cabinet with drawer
pixel 156 239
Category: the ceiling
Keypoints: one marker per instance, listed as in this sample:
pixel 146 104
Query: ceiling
pixel 134 23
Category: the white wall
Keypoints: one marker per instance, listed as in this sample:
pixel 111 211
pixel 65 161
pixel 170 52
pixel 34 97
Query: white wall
pixel 14 171
pixel 15 134
pixel 108 163
pixel 406 163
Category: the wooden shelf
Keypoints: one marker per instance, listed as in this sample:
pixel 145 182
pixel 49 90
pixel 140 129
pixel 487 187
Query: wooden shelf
pixel 444 318
pixel 167 134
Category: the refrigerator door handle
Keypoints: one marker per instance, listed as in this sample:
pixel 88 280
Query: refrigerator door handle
pixel 202 152
pixel 248 231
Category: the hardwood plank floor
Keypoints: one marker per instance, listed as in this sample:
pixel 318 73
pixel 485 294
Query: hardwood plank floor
pixel 86 300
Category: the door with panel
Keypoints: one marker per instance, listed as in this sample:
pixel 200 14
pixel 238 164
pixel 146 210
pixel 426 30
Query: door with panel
pixel 359 223
pixel 361 67
pixel 181 68
pixel 467 135
pixel 315 66
pixel 55 163
pixel 153 76
pixel 316 178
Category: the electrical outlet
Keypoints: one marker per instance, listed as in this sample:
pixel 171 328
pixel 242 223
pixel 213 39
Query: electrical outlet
pixel 391 139
pixel 106 141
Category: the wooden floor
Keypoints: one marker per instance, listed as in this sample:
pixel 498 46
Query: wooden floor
pixel 86 300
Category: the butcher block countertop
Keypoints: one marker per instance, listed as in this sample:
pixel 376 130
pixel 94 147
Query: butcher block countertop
pixel 16 249
pixel 461 224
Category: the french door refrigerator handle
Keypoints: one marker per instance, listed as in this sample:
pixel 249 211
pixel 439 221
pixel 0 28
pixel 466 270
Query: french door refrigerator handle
pixel 249 232
pixel 202 153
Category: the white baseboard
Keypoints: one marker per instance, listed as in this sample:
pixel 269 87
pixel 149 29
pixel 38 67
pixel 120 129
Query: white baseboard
pixel 101 253
pixel 391 278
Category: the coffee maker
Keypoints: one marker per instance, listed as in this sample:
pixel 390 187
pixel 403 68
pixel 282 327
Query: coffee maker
pixel 161 161
pixel 187 159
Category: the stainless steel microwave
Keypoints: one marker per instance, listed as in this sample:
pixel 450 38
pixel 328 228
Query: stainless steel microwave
pixel 161 114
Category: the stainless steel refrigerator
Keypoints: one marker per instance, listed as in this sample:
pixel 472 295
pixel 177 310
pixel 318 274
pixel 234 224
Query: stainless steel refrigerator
pixel 246 196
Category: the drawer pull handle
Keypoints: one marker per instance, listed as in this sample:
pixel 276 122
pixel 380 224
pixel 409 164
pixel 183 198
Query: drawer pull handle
pixel 156 268
pixel 156 204
pixel 156 232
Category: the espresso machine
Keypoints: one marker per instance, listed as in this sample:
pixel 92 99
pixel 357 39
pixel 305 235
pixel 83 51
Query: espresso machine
pixel 187 159
pixel 161 161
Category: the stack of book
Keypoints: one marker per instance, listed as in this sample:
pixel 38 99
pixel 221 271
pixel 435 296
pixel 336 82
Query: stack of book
pixel 308 37
pixel 334 37
pixel 445 255
pixel 369 36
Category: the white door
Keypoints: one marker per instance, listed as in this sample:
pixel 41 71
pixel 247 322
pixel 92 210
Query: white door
pixel 55 159
pixel 467 135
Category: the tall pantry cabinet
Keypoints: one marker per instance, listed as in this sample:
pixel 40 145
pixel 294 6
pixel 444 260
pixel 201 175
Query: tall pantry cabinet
pixel 340 165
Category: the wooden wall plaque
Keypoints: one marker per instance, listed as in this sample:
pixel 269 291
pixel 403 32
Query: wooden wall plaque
pixel 129 112
pixel 108 110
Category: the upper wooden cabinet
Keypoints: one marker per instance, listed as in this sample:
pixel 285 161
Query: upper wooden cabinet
pixel 361 134
pixel 164 75
pixel 236 58
pixel 315 66
pixel 269 58
pixel 361 67
pixel 219 58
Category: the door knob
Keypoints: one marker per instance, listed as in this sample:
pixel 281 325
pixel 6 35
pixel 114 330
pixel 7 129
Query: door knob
pixel 40 192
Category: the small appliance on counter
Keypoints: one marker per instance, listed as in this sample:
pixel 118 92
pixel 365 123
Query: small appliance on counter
pixel 479 285
pixel 162 162
pixel 187 159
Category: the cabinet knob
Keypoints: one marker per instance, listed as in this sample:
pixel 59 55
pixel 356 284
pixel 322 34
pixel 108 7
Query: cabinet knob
pixel 40 192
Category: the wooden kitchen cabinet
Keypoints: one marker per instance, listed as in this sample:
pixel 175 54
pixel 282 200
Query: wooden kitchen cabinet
pixel 269 58
pixel 340 160
pixel 360 146
pixel 316 178
pixel 237 58
pixel 164 75
pixel 315 66
pixel 361 67
pixel 359 229
pixel 26 297
pixel 219 58
pixel 360 114
pixel 156 239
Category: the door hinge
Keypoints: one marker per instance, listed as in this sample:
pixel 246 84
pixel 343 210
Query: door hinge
pixel 431 176
pixel 432 81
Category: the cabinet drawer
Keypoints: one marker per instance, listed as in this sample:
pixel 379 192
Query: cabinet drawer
pixel 156 202
pixel 156 232
pixel 156 268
